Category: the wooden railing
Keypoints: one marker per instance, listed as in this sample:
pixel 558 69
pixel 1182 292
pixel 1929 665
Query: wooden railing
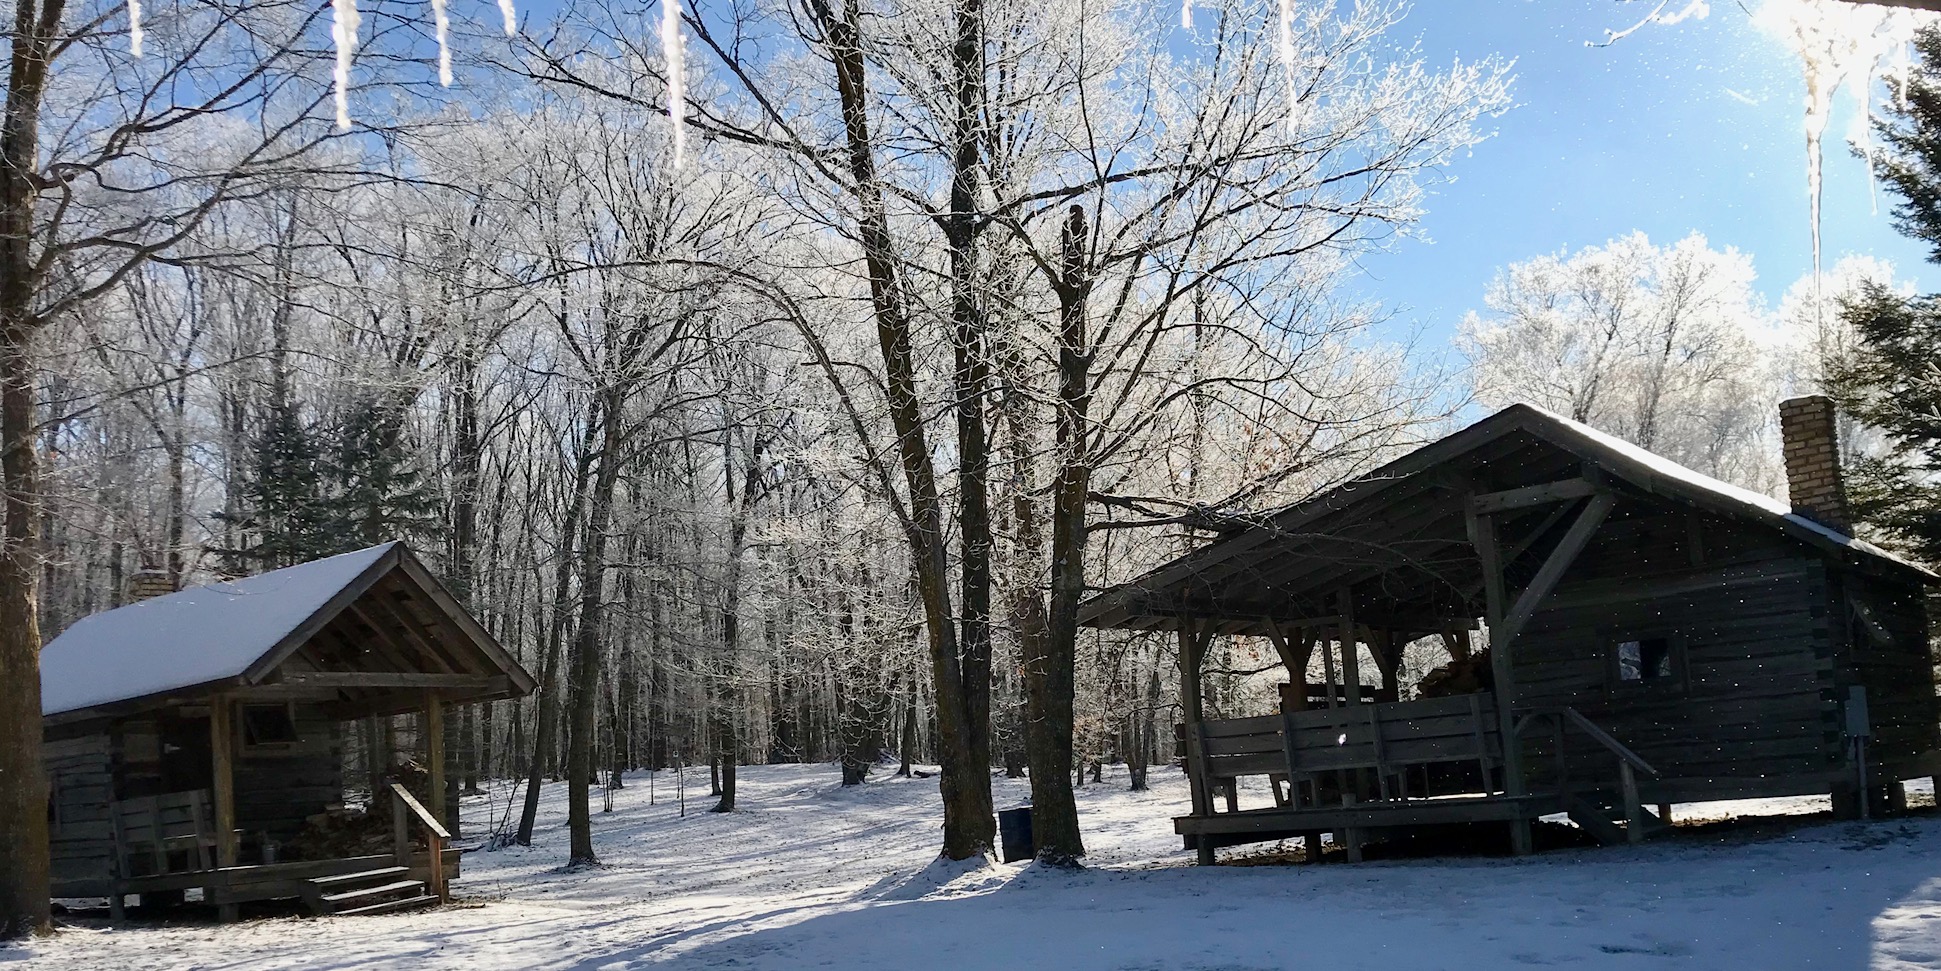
pixel 435 836
pixel 1386 739
pixel 1629 763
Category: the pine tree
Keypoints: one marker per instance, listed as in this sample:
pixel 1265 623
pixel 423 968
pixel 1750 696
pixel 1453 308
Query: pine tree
pixel 285 519
pixel 379 494
pixel 1892 382
pixel 1892 379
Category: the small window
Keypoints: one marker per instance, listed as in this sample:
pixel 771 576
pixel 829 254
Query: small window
pixel 268 725
pixel 1645 660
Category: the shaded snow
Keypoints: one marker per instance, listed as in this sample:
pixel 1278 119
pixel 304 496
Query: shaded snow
pixel 814 876
pixel 198 635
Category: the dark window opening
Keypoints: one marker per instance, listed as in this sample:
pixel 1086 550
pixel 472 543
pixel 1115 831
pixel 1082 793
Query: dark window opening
pixel 1644 660
pixel 268 725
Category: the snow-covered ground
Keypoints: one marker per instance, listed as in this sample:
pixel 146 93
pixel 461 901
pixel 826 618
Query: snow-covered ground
pixel 809 875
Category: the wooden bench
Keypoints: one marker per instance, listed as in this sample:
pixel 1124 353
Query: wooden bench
pixel 1387 739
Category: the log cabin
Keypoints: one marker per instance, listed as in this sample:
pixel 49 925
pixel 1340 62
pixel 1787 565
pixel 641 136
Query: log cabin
pixel 1654 636
pixel 189 735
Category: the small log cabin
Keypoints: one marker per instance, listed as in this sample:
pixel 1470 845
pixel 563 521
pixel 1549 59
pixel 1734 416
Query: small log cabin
pixel 1654 636
pixel 189 736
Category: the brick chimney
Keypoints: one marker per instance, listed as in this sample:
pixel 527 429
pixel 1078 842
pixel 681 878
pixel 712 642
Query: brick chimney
pixel 1811 439
pixel 148 583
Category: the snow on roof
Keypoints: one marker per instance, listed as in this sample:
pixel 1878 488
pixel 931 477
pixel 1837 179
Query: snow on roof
pixel 1755 501
pixel 193 637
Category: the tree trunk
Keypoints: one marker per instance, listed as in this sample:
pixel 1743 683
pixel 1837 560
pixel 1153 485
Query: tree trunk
pixel 546 717
pixel 1050 676
pixel 586 649
pixel 24 903
pixel 970 824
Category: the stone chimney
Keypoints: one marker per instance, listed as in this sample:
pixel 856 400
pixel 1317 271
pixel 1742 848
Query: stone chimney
pixel 1811 439
pixel 147 583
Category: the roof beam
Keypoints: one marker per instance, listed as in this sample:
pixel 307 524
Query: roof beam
pixel 1535 495
pixel 1560 559
pixel 390 679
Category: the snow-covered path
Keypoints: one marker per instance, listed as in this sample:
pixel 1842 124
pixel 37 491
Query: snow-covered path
pixel 811 876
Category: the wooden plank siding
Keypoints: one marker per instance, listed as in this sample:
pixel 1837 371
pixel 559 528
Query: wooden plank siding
pixel 1888 651
pixel 279 786
pixel 1752 706
pixel 81 775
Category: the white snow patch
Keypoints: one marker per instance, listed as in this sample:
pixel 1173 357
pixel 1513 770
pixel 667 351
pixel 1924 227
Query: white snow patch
pixel 193 637
pixel 812 875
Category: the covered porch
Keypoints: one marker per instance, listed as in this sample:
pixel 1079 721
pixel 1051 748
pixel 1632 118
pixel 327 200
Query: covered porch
pixel 1457 544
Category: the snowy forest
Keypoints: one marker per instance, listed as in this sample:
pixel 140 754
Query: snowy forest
pixel 774 381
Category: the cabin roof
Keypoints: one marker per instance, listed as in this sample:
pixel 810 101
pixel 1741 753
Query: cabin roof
pixel 318 623
pixel 1402 528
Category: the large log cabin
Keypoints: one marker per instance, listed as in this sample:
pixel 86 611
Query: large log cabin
pixel 1654 636
pixel 189 736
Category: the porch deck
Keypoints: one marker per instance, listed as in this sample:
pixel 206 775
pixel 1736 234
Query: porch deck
pixel 1353 769
pixel 265 881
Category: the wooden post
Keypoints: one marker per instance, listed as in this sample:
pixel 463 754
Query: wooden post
pixel 222 740
pixel 1327 670
pixel 1350 651
pixel 1482 535
pixel 400 830
pixel 1388 659
pixel 1351 836
pixel 1192 645
pixel 1633 812
pixel 435 755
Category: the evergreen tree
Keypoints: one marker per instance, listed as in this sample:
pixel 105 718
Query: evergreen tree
pixel 1891 380
pixel 379 494
pixel 286 520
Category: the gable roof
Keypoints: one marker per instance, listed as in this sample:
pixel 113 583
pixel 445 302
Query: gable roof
pixel 234 632
pixel 1528 440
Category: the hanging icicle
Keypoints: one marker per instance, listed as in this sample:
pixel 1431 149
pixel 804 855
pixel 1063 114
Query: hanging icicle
pixel 1186 14
pixel 343 28
pixel 670 48
pixel 1286 45
pixel 135 27
pixel 1838 43
pixel 510 16
pixel 443 25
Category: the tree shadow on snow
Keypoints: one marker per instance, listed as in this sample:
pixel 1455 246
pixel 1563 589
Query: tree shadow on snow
pixel 1839 899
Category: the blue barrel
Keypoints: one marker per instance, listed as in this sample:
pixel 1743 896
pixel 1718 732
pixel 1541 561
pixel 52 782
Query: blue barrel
pixel 1014 833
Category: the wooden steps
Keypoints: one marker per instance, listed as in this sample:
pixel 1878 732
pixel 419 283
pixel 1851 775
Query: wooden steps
pixel 378 891
pixel 390 906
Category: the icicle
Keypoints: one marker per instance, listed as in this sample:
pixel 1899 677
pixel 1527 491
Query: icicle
pixel 510 16
pixel 1287 64
pixel 670 48
pixel 1838 42
pixel 135 27
pixel 343 28
pixel 443 24
pixel 1186 14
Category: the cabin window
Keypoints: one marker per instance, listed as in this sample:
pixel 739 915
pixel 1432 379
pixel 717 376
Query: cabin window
pixel 1645 660
pixel 268 725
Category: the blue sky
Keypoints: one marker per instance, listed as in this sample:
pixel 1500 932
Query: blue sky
pixel 1695 126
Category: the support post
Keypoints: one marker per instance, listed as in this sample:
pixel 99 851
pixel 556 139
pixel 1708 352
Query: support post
pixel 222 740
pixel 1327 672
pixel 1350 649
pixel 400 830
pixel 1633 811
pixel 1482 535
pixel 435 755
